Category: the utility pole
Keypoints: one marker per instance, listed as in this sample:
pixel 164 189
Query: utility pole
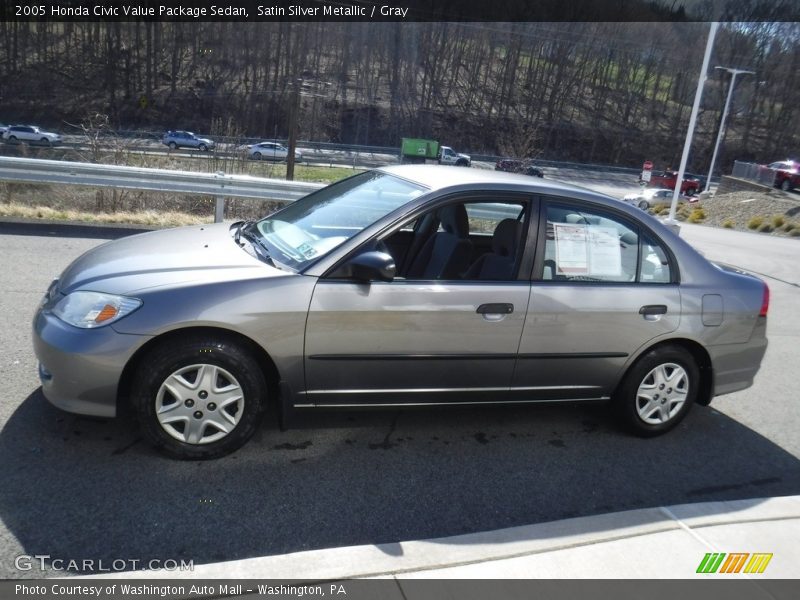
pixel 312 89
pixel 294 111
pixel 734 73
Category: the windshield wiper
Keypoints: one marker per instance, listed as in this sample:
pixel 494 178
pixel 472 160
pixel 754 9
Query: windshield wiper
pixel 245 229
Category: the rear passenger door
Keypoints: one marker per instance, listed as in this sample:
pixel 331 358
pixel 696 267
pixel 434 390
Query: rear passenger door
pixel 602 288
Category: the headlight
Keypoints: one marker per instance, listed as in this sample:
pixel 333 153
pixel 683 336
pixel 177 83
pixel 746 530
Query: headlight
pixel 93 309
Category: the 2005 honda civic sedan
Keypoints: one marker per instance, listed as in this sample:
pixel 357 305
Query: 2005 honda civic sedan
pixel 402 286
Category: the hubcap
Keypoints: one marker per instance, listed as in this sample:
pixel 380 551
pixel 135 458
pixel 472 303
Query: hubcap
pixel 662 393
pixel 199 404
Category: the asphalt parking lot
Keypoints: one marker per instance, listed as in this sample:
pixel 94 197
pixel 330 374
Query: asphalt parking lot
pixel 77 488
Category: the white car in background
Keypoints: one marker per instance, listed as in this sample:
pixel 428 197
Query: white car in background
pixel 648 197
pixel 29 133
pixel 271 151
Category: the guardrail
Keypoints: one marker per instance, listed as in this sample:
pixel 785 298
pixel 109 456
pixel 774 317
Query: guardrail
pixel 753 172
pixel 219 185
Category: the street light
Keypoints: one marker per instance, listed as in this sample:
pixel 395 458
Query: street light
pixel 734 73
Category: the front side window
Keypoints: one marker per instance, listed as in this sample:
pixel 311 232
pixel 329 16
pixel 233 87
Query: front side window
pixel 587 245
pixel 461 241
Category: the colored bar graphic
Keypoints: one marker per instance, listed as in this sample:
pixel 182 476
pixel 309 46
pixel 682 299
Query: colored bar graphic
pixel 734 562
pixel 713 562
pixel 758 563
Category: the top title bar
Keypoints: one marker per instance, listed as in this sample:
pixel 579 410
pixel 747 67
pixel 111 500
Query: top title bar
pixel 401 10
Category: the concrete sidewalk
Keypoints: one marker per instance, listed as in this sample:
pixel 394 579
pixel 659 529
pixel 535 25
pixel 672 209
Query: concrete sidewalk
pixel 655 543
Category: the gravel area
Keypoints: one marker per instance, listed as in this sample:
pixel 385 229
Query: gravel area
pixel 780 212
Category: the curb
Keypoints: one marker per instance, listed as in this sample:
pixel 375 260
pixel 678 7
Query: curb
pixel 430 558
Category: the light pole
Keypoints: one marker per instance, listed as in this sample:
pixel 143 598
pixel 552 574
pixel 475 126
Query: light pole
pixel 734 73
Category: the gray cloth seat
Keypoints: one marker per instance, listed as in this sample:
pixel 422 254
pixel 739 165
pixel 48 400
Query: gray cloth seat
pixel 446 254
pixel 500 263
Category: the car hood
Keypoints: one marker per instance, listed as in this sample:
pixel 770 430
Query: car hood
pixel 467 156
pixel 170 257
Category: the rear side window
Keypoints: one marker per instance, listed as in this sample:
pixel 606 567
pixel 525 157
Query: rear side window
pixel 592 246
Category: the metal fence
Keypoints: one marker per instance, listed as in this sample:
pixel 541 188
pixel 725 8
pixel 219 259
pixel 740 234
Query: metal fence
pixel 753 172
pixel 219 185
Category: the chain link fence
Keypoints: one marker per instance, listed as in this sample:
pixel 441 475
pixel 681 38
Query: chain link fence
pixel 753 172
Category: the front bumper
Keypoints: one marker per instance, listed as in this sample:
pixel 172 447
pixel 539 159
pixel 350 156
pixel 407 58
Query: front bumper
pixel 80 369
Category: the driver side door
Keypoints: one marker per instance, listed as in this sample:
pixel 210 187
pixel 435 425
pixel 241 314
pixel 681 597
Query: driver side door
pixel 415 340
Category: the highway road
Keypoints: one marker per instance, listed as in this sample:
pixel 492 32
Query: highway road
pixel 77 488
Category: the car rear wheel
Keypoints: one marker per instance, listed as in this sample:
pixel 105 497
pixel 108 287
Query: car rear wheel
pixel 658 391
pixel 786 185
pixel 199 398
pixel 173 146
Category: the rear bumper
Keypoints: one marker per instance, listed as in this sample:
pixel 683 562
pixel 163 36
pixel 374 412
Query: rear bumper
pixel 735 365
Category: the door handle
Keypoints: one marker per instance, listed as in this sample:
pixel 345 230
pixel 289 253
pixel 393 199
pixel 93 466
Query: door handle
pixel 499 308
pixel 652 310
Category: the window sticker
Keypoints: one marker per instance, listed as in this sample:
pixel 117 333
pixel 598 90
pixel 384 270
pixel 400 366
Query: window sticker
pixel 571 256
pixel 591 250
pixel 605 255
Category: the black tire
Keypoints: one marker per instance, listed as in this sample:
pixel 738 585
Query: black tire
pixel 644 204
pixel 231 365
pixel 12 139
pixel 786 185
pixel 691 192
pixel 203 148
pixel 461 163
pixel 173 146
pixel 630 405
pixel 257 155
pixel 45 141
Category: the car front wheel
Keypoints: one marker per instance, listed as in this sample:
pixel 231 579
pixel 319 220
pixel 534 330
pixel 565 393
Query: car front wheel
pixel 203 148
pixel 257 155
pixel 786 185
pixel 644 204
pixel 658 391
pixel 199 398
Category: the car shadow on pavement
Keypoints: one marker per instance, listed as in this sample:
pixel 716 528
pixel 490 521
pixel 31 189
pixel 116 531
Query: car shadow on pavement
pixel 81 489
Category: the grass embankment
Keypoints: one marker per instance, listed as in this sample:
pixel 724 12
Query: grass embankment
pixel 155 209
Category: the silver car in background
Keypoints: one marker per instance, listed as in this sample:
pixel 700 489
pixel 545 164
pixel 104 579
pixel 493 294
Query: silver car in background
pixel 271 151
pixel 30 133
pixel 403 286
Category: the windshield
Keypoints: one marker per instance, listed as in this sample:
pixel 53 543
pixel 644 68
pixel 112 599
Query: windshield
pixel 316 224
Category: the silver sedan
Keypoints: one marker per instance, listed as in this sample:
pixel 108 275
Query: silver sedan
pixel 403 286
pixel 271 151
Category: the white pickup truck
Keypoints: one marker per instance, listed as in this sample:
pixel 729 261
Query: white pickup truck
pixel 448 156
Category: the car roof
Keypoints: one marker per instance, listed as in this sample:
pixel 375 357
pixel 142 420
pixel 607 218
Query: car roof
pixel 437 177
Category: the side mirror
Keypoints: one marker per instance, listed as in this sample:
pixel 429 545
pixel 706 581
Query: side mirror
pixel 369 266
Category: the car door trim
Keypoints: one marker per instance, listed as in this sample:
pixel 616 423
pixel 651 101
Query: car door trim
pixel 453 390
pixel 459 403
pixel 528 356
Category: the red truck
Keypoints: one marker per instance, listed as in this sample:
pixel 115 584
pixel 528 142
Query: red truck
pixel 787 174
pixel 667 179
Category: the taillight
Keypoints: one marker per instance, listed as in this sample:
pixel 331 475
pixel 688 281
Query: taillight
pixel 764 302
